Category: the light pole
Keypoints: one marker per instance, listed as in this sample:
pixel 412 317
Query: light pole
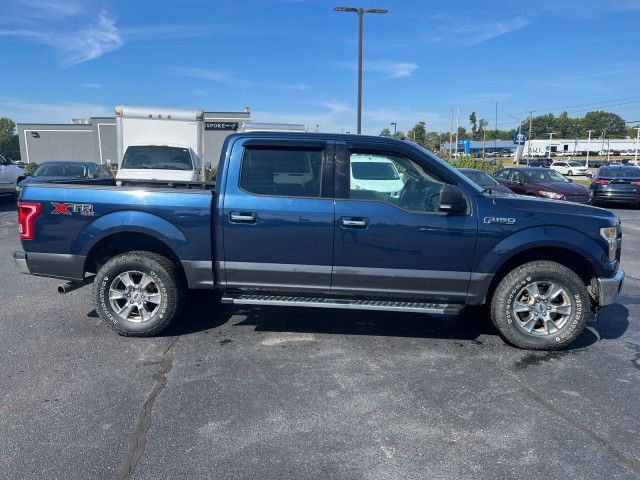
pixel 517 158
pixel 530 137
pixel 588 147
pixel 551 134
pixel 458 120
pixel 317 127
pixel 360 12
pixel 635 158
pixel 484 141
pixel 395 129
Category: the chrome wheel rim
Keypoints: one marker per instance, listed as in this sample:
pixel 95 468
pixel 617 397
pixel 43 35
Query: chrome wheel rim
pixel 134 296
pixel 542 308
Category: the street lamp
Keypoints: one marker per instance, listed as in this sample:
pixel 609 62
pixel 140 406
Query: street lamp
pixel 588 147
pixel 635 158
pixel 395 129
pixel 551 134
pixel 360 12
pixel 458 119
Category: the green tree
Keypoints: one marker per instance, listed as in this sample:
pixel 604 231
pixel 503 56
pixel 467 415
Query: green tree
pixel 482 125
pixel 9 146
pixel 418 134
pixel 385 132
pixel 599 121
pixel 473 120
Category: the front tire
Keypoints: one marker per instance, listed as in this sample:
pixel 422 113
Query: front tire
pixel 541 305
pixel 138 294
pixel 570 173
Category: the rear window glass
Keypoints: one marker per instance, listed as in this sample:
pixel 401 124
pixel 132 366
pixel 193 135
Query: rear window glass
pixel 60 170
pixel 287 173
pixel 157 157
pixel 619 172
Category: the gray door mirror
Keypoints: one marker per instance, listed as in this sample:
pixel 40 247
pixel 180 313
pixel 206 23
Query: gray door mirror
pixel 452 200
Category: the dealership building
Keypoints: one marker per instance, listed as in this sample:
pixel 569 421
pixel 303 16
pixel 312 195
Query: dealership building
pixel 94 139
pixel 538 148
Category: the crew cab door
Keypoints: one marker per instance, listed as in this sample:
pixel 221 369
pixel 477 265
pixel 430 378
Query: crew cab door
pixel 277 216
pixel 397 244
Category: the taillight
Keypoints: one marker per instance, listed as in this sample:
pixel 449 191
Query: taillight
pixel 27 213
pixel 636 182
pixel 601 181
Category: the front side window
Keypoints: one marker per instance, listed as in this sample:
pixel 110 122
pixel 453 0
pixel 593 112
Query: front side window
pixel 157 157
pixel 394 179
pixel 281 172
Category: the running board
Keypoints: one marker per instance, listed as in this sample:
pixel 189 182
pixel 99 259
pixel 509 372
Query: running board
pixel 352 304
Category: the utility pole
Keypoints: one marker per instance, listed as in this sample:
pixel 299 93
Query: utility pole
pixel 484 141
pixel 360 12
pixel 604 137
pixel 530 137
pixel 451 133
pixel 495 141
pixel 395 129
pixel 457 129
pixel 551 134
pixel 635 158
pixel 317 127
pixel 588 147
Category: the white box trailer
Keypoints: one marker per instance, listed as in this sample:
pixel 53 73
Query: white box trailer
pixel 156 143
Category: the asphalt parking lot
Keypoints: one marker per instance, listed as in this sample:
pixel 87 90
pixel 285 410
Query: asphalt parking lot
pixel 293 393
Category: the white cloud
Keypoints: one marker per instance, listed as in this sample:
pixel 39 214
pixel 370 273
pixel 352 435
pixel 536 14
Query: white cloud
pixel 35 112
pixel 224 77
pixel 203 74
pixel 389 68
pixel 77 46
pixel 95 86
pixel 478 32
pixel 337 116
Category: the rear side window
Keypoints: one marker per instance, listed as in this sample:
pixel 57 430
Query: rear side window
pixel 281 172
pixel 619 172
pixel 157 157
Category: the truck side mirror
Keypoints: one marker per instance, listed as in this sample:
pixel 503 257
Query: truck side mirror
pixel 452 200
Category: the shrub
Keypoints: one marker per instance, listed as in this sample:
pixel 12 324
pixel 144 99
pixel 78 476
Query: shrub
pixel 30 168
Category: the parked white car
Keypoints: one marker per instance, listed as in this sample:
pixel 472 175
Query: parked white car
pixel 379 174
pixel 569 168
pixel 9 176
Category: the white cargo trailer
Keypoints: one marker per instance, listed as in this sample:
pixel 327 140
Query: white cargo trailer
pixel 162 144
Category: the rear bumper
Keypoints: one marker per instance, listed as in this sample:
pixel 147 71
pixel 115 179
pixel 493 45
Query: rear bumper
pixel 626 197
pixel 21 262
pixel 57 265
pixel 608 288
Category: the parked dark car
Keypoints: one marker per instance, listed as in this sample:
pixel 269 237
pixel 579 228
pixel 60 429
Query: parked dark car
pixel 540 162
pixel 616 183
pixel 67 171
pixel 542 182
pixel 484 180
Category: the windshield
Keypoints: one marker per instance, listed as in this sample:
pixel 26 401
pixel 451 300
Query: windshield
pixel 619 172
pixel 157 157
pixel 60 170
pixel 575 164
pixel 482 179
pixel 374 171
pixel 546 176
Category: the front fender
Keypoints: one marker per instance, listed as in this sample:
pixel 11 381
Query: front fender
pixel 130 222
pixel 544 236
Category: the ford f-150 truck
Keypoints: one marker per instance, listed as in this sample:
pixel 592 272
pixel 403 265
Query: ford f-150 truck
pixel 287 224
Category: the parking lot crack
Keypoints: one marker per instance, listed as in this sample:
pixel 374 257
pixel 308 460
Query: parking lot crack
pixel 138 438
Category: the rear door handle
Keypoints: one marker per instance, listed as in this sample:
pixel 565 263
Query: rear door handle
pixel 242 217
pixel 354 222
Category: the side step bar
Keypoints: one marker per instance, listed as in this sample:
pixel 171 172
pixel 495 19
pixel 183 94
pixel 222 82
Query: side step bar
pixel 352 304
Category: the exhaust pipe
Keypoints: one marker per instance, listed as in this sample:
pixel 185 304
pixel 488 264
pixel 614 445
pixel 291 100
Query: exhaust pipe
pixel 69 287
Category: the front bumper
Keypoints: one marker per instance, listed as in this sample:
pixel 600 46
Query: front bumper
pixel 21 262
pixel 608 288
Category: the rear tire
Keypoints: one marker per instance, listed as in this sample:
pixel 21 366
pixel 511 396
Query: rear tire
pixel 138 294
pixel 570 173
pixel 541 305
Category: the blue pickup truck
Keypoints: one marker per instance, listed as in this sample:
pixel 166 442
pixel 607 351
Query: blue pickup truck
pixel 291 222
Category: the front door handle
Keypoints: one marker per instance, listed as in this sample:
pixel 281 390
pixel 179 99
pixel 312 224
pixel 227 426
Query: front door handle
pixel 354 222
pixel 242 217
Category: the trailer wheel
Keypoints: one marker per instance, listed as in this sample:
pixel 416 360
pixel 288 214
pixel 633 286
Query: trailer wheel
pixel 138 294
pixel 540 305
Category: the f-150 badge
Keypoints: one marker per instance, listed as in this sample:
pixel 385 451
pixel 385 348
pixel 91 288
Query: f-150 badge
pixel 500 220
pixel 85 209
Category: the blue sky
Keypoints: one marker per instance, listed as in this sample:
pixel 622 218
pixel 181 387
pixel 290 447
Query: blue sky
pixel 294 60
